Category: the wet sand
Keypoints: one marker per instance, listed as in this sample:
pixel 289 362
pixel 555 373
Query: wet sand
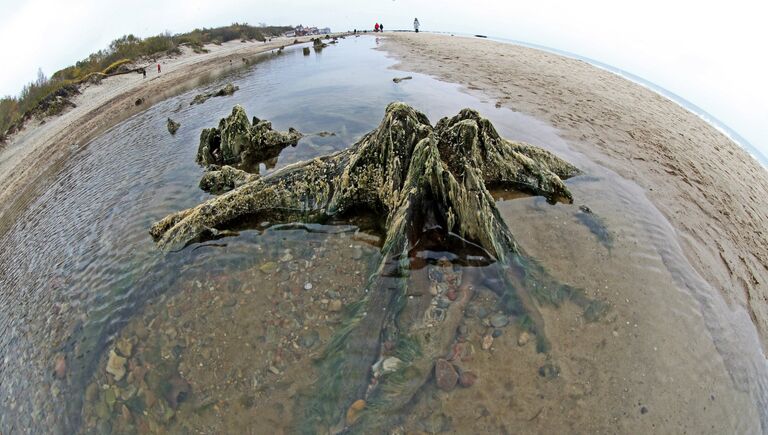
pixel 711 191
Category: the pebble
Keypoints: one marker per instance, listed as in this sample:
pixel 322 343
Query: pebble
pixel 549 370
pixel 268 267
pixel 445 375
pixel 524 338
pixel 482 313
pixel 125 347
pixel 496 333
pixel 443 302
pixel 390 364
pixel 116 365
pixel 110 397
pixel 487 342
pixel 309 339
pixel 357 253
pixel 471 311
pixel 274 370
pixel 467 378
pixel 353 413
pixel 60 367
pixel 335 305
pixel 433 290
pixel 499 320
pixel 307 286
pixel 92 392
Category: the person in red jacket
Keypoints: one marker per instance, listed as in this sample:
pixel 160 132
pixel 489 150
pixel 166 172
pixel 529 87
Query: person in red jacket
pixel 158 68
pixel 376 27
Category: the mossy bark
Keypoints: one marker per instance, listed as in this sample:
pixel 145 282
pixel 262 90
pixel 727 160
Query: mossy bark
pixel 426 184
pixel 237 141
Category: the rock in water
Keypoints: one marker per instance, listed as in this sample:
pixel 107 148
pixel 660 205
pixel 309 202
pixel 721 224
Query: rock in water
pixel 60 367
pixel 268 267
pixel 391 364
pixel 499 320
pixel 353 413
pixel 400 79
pixel 237 141
pixel 125 347
pixel 549 370
pixel 116 365
pixel 445 375
pixel 306 51
pixel 172 125
pixel 524 338
pixel 467 378
pixel 335 305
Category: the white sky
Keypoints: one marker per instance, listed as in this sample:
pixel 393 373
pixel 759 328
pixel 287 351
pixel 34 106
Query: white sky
pixel 713 55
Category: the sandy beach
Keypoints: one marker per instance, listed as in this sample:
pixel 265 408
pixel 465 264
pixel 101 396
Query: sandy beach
pixel 710 189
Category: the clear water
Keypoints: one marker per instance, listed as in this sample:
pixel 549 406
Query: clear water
pixel 233 326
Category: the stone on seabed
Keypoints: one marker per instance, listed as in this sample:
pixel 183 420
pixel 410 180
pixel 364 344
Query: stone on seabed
pixel 116 365
pixel 445 375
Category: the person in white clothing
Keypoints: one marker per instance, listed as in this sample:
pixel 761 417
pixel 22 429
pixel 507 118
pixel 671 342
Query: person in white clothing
pixel 416 25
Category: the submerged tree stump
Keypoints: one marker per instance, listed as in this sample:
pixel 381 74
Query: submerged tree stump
pixel 429 187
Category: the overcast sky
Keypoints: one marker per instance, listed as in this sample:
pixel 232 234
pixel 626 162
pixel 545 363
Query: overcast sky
pixel 712 55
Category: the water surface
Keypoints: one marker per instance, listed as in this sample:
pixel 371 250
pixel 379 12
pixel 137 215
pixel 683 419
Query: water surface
pixel 222 335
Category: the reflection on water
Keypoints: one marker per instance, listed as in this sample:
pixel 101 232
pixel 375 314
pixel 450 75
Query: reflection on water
pixel 221 336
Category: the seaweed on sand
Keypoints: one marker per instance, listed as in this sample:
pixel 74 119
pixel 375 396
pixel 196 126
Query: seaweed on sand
pixel 428 185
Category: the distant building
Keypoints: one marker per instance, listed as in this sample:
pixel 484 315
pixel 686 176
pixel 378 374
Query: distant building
pixel 304 31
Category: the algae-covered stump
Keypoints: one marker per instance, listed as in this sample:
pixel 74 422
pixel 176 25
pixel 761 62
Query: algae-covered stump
pixel 237 141
pixel 429 189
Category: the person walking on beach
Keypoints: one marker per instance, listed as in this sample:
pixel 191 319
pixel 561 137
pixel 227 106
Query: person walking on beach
pixel 376 27
pixel 381 27
pixel 416 25
pixel 158 68
pixel 144 71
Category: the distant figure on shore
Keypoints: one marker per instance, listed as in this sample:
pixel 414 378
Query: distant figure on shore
pixel 376 27
pixel 381 27
pixel 144 72
pixel 416 25
pixel 158 68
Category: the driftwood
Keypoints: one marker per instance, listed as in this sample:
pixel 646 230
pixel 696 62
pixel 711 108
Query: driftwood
pixel 429 189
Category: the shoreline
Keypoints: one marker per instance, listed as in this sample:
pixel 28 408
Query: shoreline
pixel 708 187
pixel 33 156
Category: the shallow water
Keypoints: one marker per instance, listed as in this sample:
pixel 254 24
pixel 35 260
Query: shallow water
pixel 228 329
